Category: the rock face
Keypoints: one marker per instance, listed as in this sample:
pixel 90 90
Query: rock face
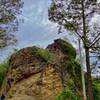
pixel 31 77
pixel 38 86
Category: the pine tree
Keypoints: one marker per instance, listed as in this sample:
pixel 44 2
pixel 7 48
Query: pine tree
pixel 76 16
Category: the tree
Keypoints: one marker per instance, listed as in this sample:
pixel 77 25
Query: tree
pixel 76 16
pixel 8 20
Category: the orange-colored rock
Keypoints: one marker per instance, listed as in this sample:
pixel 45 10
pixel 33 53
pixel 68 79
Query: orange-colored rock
pixel 31 78
pixel 44 85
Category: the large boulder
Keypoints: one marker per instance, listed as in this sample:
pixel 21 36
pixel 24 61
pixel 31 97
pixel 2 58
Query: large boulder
pixel 36 74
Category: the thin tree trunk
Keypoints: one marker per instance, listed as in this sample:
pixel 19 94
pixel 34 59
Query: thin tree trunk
pixel 82 72
pixel 89 78
pixel 85 42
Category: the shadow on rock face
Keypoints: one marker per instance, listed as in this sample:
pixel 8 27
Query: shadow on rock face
pixel 34 74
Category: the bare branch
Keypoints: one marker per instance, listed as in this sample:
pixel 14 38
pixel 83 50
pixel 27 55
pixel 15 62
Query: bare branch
pixel 94 52
pixel 94 42
pixel 96 47
pixel 95 38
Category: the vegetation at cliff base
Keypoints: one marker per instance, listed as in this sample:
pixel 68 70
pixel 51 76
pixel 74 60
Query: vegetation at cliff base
pixel 72 95
pixel 96 89
pixel 69 94
pixel 3 70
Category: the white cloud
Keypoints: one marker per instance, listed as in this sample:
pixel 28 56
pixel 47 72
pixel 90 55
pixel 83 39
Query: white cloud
pixel 98 1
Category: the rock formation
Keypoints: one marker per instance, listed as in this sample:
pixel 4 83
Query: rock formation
pixel 37 74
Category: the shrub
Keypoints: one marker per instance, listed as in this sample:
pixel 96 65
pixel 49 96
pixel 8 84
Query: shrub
pixel 68 94
pixel 3 70
pixel 96 89
pixel 73 84
pixel 67 48
pixel 45 54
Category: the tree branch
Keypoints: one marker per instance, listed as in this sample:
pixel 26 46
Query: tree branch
pixel 94 52
pixel 94 39
pixel 96 47
pixel 74 29
pixel 94 42
pixel 94 56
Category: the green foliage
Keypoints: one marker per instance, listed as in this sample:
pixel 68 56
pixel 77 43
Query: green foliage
pixel 77 68
pixel 96 89
pixel 74 68
pixel 68 94
pixel 67 48
pixel 3 69
pixel 74 83
pixel 8 20
pixel 9 9
pixel 69 66
pixel 45 54
pixel 75 72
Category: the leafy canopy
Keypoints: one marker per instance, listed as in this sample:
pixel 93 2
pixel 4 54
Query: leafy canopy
pixel 8 20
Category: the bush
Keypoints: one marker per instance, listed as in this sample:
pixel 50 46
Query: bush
pixel 67 48
pixel 45 54
pixel 96 89
pixel 3 70
pixel 68 94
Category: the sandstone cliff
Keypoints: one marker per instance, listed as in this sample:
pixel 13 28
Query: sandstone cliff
pixel 39 74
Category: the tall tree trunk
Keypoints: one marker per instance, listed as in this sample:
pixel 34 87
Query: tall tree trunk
pixel 85 42
pixel 89 78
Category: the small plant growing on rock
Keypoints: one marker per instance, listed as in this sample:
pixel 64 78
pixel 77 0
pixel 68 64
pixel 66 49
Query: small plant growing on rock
pixel 46 55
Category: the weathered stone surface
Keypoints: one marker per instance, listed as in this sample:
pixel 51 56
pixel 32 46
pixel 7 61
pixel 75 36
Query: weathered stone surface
pixel 39 86
pixel 30 78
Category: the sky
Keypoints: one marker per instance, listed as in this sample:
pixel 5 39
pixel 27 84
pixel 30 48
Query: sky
pixel 34 27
